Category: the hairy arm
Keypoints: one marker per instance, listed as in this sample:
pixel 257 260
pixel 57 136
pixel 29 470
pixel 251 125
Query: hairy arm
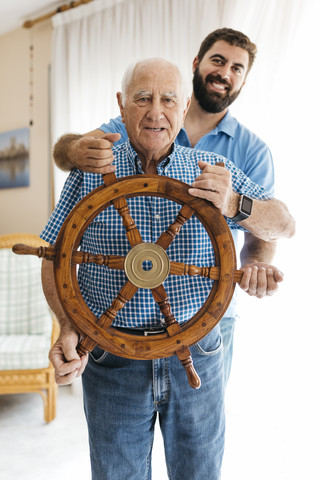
pixel 270 220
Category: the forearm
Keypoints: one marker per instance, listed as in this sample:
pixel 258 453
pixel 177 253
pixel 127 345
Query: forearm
pixel 256 250
pixel 270 220
pixel 62 152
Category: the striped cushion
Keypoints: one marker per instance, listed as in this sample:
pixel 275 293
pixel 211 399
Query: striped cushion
pixel 23 308
pixel 19 352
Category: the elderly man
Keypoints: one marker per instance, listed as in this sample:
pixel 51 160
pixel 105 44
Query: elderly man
pixel 220 70
pixel 123 397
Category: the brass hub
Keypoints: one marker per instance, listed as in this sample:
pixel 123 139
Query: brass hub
pixel 135 265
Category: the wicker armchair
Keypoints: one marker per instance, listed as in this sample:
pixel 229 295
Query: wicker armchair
pixel 27 327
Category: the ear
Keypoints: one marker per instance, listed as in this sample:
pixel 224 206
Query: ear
pixel 119 99
pixel 186 108
pixel 243 84
pixel 195 64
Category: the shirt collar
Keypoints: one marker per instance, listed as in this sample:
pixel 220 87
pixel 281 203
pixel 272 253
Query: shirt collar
pixel 227 125
pixel 135 161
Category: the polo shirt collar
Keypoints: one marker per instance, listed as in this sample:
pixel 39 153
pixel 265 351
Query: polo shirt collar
pixel 227 125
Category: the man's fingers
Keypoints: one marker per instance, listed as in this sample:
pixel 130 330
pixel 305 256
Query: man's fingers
pixel 272 283
pixel 67 363
pixel 102 143
pixel 112 137
pixel 68 367
pixel 218 168
pixel 278 275
pixel 99 143
pixel 260 280
pixel 103 168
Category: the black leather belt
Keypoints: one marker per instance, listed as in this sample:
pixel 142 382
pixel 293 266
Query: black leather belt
pixel 144 332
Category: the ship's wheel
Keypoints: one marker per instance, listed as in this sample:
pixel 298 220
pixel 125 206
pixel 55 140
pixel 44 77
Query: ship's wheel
pixel 99 331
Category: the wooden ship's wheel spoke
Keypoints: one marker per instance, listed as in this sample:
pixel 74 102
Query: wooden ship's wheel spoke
pixel 212 272
pixel 87 344
pixel 121 205
pixel 167 237
pixel 173 327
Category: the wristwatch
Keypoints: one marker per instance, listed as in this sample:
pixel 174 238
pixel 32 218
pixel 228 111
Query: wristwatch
pixel 245 207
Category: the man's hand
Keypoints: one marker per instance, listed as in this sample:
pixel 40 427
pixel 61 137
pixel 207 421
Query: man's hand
pixel 214 184
pixel 90 152
pixel 63 355
pixel 260 279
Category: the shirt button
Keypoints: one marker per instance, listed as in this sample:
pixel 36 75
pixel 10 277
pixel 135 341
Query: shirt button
pixel 157 216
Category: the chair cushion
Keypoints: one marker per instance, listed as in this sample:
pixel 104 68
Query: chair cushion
pixel 23 307
pixel 19 352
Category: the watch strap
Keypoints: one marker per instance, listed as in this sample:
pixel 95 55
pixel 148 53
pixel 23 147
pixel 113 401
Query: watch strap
pixel 245 208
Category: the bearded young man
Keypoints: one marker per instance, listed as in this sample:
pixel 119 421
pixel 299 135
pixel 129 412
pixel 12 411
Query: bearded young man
pixel 220 69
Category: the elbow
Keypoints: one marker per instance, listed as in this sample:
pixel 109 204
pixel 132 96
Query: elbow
pixel 283 228
pixel 290 227
pixel 286 229
pixel 286 225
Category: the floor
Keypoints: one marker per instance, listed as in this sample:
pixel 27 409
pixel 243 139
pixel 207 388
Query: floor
pixel 30 449
pixel 34 450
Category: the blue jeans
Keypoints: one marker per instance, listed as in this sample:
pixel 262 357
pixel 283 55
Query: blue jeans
pixel 123 397
pixel 227 325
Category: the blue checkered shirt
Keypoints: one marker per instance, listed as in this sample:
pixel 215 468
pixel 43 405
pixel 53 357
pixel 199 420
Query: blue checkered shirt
pixel 98 284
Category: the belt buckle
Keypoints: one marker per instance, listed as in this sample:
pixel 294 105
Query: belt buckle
pixel 147 333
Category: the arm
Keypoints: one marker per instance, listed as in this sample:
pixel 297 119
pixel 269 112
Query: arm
pixel 90 152
pixel 63 355
pixel 260 278
pixel 269 220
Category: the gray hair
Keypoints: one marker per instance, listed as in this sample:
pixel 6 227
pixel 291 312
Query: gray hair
pixel 128 75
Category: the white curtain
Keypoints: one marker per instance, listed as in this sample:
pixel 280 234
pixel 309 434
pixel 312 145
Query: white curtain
pixel 279 336
pixel 93 44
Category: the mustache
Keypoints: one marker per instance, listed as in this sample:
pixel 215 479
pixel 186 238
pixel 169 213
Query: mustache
pixel 210 78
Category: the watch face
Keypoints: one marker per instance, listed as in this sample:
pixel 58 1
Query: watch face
pixel 246 205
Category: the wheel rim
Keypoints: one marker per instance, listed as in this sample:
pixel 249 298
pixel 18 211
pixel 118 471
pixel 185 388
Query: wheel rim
pixel 132 346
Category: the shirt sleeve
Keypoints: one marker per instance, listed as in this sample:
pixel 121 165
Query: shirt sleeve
pixel 259 165
pixel 244 186
pixel 69 197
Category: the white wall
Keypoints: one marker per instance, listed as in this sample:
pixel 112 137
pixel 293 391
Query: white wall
pixel 26 209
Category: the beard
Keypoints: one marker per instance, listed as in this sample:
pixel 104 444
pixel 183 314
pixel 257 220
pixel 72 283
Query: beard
pixel 212 102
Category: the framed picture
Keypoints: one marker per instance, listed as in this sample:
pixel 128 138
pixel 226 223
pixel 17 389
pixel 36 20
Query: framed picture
pixel 14 158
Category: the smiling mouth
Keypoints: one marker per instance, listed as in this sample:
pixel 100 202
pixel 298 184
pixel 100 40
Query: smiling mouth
pixel 154 129
pixel 218 86
pixel 218 83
